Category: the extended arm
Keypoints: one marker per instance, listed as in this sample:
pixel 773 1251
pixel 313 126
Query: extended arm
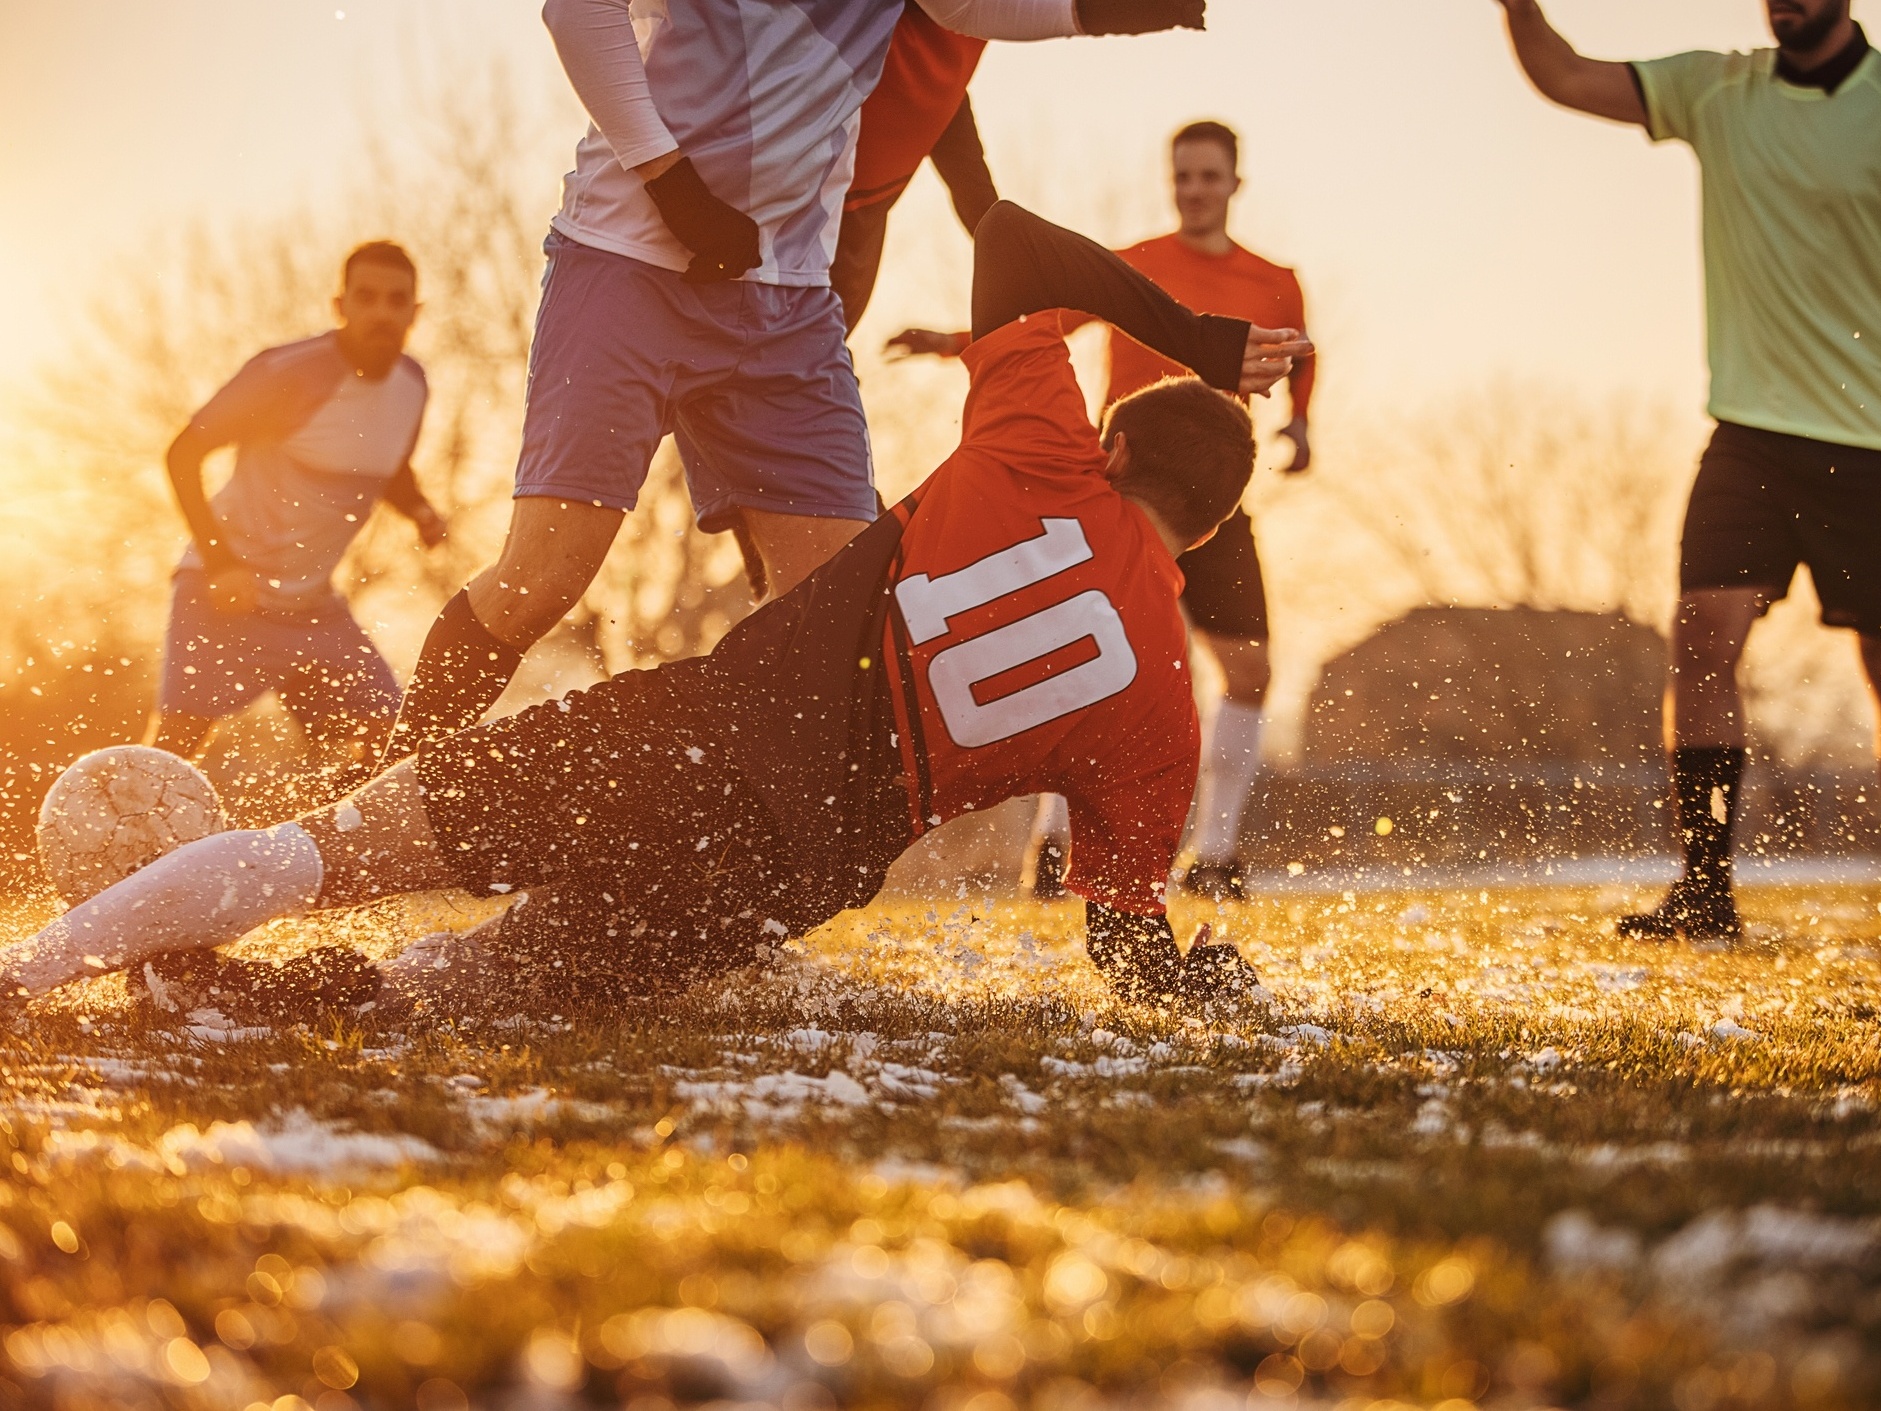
pixel 402 494
pixel 232 587
pixel 1047 19
pixel 1606 90
pixel 1024 265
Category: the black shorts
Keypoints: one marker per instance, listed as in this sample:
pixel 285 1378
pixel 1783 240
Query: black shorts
pixel 647 859
pixel 1224 592
pixel 1765 502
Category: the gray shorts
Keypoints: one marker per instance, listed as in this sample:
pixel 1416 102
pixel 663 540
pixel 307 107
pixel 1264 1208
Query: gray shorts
pixel 753 379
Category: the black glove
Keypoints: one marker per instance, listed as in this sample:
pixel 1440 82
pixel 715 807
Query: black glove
pixel 722 238
pixel 1140 16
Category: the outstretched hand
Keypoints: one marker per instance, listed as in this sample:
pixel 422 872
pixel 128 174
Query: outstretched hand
pixel 1140 16
pixel 1269 358
pixel 923 342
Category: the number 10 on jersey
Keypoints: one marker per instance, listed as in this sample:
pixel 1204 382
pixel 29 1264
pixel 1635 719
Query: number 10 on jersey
pixel 954 675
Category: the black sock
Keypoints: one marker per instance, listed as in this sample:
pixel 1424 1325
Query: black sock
pixel 460 673
pixel 1705 784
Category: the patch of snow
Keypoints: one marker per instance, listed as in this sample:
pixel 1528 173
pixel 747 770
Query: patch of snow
pixel 295 1144
pixel 1575 1242
pixel 1731 1031
pixel 1022 1097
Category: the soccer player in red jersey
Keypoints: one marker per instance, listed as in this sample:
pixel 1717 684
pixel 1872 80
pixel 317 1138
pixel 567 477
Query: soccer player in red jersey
pixel 1224 598
pixel 1011 627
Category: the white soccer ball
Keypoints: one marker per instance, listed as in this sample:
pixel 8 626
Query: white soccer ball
pixel 119 809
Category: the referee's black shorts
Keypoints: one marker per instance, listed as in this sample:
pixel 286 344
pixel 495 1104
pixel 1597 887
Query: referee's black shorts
pixel 1224 593
pixel 1765 502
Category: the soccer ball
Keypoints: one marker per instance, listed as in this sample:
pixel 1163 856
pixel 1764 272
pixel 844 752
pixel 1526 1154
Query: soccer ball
pixel 119 809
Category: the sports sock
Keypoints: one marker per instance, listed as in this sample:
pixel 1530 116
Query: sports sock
pixel 1234 756
pixel 1052 822
pixel 460 673
pixel 1705 787
pixel 206 893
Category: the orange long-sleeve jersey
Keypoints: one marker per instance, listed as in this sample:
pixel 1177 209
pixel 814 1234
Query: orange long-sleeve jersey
pixel 1239 284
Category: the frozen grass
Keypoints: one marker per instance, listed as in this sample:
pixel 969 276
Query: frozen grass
pixel 1478 1153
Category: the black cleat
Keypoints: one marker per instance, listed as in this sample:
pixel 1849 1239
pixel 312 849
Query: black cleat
pixel 1048 873
pixel 291 991
pixel 1696 913
pixel 1217 972
pixel 1215 881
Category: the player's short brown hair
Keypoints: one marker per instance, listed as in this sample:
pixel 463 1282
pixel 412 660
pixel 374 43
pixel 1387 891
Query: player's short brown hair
pixel 385 253
pixel 1191 452
pixel 1216 132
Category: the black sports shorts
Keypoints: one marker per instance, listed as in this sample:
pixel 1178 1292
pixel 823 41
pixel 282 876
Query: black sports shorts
pixel 648 860
pixel 1765 502
pixel 1224 592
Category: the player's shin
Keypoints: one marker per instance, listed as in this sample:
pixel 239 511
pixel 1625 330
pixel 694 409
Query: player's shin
pixel 1706 783
pixel 1234 754
pixel 204 894
pixel 460 673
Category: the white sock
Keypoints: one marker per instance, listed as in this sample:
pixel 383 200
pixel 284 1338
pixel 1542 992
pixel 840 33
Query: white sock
pixel 1052 822
pixel 206 893
pixel 1234 756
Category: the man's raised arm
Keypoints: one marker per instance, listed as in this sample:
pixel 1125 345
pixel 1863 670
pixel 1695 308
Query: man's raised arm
pixel 1024 265
pixel 1049 19
pixel 1606 90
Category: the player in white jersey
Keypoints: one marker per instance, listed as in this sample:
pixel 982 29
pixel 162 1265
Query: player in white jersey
pixel 688 293
pixel 323 430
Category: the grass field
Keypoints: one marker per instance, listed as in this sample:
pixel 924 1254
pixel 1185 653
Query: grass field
pixel 1477 1153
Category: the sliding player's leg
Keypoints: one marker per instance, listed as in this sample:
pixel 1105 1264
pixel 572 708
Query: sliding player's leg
pixel 217 889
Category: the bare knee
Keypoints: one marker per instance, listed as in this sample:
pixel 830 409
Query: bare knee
pixel 550 556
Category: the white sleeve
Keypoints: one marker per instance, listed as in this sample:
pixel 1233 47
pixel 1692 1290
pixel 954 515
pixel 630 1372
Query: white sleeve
pixel 596 43
pixel 1005 19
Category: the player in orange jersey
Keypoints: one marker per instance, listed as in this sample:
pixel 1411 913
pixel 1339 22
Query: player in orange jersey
pixel 1225 598
pixel 1011 627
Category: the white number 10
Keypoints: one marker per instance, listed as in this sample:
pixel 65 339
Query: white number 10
pixel 928 603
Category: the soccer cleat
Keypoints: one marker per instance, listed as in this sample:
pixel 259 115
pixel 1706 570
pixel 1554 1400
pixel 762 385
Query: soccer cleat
pixel 1048 873
pixel 1218 973
pixel 261 991
pixel 1696 913
pixel 1215 881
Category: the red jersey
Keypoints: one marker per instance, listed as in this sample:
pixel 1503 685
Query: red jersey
pixel 923 80
pixel 1239 284
pixel 1036 643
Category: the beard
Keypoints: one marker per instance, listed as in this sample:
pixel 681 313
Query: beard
pixel 1802 33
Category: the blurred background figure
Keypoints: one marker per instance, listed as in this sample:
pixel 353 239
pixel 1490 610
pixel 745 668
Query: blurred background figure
pixel 1786 139
pixel 323 429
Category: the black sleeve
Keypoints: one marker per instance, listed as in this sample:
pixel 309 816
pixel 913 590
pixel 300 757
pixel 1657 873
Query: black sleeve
pixel 960 160
pixel 1138 955
pixel 1023 265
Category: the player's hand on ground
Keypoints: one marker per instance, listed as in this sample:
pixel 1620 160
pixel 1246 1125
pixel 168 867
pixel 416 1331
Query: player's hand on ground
pixel 723 239
pixel 431 527
pixel 1140 16
pixel 923 342
pixel 1296 432
pixel 1269 358
pixel 233 590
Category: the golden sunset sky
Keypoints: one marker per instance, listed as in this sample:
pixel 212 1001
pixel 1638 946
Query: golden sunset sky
pixel 1450 226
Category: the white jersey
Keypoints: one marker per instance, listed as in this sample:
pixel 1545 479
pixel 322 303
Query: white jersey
pixel 763 95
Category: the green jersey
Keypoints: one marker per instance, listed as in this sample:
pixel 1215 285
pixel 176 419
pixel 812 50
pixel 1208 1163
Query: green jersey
pixel 1792 235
